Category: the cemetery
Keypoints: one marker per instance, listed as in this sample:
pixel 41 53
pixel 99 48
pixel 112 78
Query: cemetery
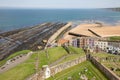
pixel 111 61
pixel 84 71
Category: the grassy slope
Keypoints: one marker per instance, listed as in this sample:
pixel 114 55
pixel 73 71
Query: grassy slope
pixel 54 54
pixel 13 55
pixel 114 38
pixel 75 50
pixel 27 68
pixel 73 72
pixel 75 53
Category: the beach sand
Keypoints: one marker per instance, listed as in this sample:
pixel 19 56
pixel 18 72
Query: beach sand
pixel 103 31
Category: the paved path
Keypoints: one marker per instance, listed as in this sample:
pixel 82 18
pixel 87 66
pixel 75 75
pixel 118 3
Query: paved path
pixel 14 63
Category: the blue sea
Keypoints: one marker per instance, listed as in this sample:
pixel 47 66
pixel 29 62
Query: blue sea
pixel 11 19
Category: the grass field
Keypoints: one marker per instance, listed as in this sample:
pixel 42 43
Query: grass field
pixel 13 55
pixel 78 70
pixel 76 50
pixel 27 68
pixel 115 38
pixel 75 53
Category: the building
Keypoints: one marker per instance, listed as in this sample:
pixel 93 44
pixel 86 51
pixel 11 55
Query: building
pixel 62 42
pixel 101 44
pixel 113 47
pixel 83 42
pixel 108 46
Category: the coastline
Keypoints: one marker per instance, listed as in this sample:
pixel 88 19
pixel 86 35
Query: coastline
pixel 105 31
pixel 15 19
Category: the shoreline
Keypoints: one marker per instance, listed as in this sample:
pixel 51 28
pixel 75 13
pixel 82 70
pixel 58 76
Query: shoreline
pixel 103 31
pixel 75 22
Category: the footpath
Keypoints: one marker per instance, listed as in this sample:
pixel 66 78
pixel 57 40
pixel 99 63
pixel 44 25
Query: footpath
pixel 14 62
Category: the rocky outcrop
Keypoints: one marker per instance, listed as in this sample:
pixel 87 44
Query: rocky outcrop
pixel 29 38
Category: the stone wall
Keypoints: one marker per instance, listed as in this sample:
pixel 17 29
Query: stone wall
pixel 63 66
pixel 104 69
pixel 58 68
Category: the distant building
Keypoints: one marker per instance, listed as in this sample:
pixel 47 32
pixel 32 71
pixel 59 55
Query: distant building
pixel 83 42
pixel 62 42
pixel 96 44
pixel 101 44
pixel 113 47
pixel 108 46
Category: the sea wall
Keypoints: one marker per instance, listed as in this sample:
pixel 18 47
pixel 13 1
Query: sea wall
pixel 109 74
pixel 58 32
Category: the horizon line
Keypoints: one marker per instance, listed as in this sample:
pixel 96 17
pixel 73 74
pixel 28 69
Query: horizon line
pixel 53 8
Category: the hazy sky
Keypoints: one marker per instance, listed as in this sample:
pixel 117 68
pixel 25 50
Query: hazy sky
pixel 59 3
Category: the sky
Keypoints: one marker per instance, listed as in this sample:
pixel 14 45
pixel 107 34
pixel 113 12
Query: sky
pixel 59 3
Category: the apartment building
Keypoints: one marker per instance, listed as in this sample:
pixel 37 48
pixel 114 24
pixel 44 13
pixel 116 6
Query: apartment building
pixel 83 42
pixel 113 47
pixel 101 44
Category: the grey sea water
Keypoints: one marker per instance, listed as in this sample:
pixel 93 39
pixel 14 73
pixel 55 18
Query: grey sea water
pixel 11 19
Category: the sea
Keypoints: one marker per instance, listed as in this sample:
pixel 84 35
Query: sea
pixel 11 19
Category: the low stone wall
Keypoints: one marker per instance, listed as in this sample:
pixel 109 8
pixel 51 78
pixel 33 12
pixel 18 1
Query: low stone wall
pixel 104 69
pixel 60 67
pixel 55 69
pixel 63 66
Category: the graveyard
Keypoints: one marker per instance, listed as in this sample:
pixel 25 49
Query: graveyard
pixel 83 71
pixel 111 61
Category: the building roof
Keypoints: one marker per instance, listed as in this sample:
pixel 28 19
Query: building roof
pixel 62 41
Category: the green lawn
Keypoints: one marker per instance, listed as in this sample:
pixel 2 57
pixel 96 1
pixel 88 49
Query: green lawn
pixel 54 54
pixel 19 72
pixel 27 68
pixel 115 38
pixel 13 55
pixel 73 72
pixel 76 50
pixel 75 53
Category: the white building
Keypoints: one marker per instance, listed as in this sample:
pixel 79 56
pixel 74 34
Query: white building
pixel 101 44
pixel 113 47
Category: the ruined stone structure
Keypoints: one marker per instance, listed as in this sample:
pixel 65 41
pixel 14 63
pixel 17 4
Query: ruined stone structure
pixel 63 66
pixel 104 69
pixel 47 71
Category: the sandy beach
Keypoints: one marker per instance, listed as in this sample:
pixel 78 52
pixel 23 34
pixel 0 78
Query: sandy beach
pixel 103 31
